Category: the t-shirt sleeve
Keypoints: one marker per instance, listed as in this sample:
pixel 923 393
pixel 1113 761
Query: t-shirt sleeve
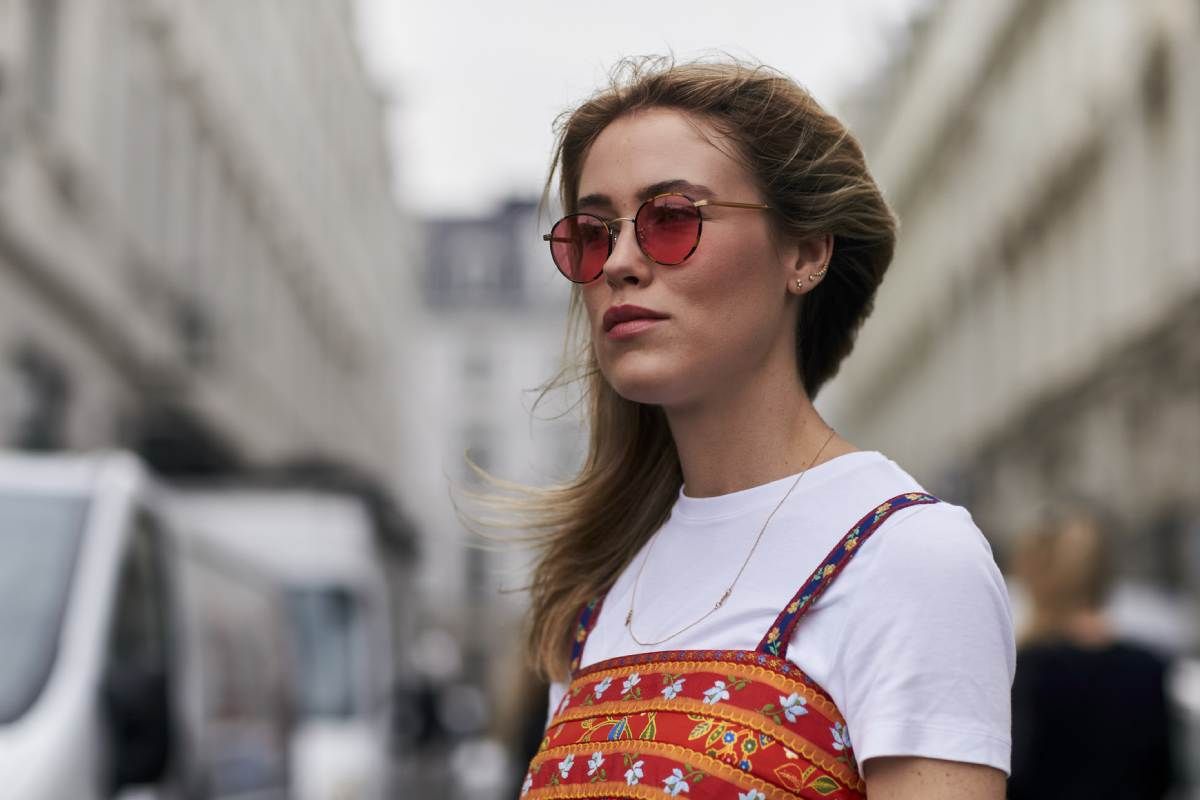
pixel 927 660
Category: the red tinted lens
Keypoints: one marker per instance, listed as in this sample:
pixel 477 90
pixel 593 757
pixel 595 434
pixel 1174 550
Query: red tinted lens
pixel 579 246
pixel 668 228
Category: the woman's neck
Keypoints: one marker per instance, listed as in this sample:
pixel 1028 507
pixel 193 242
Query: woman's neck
pixel 750 436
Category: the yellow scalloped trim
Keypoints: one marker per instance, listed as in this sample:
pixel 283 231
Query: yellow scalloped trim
pixel 607 789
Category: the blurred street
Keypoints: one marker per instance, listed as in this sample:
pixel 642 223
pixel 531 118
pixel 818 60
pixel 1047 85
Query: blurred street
pixel 245 367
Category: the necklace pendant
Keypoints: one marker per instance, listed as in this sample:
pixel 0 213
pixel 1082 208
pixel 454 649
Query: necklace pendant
pixel 629 618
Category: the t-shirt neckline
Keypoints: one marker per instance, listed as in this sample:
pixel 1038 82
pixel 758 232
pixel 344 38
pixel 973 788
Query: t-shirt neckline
pixel 768 494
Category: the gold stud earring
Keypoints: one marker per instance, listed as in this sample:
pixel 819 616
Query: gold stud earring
pixel 819 273
pixel 799 283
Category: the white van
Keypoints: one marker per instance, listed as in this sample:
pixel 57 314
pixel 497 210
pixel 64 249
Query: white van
pixel 157 642
pixel 318 547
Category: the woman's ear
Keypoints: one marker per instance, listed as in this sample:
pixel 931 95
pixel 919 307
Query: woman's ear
pixel 809 262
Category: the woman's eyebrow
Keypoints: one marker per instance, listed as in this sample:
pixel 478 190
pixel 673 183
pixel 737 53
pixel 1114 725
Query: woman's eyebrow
pixel 696 191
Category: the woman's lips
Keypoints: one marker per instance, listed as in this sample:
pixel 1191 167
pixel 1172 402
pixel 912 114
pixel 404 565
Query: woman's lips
pixel 627 330
pixel 626 320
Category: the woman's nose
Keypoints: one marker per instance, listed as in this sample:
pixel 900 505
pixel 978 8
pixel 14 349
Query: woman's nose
pixel 626 263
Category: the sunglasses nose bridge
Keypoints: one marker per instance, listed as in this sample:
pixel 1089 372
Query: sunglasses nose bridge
pixel 614 231
pixel 619 266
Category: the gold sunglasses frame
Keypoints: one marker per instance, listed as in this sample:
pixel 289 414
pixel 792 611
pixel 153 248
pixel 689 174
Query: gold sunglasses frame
pixel 612 234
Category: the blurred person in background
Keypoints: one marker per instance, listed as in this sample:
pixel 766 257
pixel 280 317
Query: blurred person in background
pixel 1090 711
pixel 695 604
pixel 525 723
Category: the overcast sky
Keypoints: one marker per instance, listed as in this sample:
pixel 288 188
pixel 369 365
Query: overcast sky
pixel 474 86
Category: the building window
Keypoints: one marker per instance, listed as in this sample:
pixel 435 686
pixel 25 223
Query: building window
pixel 1156 82
pixel 477 367
pixel 41 423
pixel 43 36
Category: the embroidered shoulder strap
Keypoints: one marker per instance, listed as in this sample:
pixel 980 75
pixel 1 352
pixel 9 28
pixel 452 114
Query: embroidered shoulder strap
pixel 583 628
pixel 776 639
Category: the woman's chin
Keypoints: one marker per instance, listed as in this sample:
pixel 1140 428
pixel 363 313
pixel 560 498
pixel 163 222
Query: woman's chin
pixel 639 396
pixel 658 376
pixel 650 388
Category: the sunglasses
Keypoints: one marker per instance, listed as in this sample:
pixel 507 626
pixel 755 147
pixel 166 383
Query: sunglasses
pixel 667 228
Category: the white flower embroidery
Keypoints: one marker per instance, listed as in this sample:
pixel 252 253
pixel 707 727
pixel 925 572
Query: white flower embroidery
pixel 841 736
pixel 753 794
pixel 564 766
pixel 793 706
pixel 602 687
pixel 674 783
pixel 527 785
pixel 634 773
pixel 595 762
pixel 717 692
pixel 630 682
pixel 675 688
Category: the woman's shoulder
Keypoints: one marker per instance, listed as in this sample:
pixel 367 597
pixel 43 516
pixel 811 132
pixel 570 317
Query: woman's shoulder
pixel 859 483
pixel 907 540
pixel 935 540
pixel 927 537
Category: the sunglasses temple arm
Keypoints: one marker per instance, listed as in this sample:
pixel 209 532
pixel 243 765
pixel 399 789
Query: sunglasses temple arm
pixel 730 204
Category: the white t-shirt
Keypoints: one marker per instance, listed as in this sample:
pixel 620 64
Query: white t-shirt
pixel 913 640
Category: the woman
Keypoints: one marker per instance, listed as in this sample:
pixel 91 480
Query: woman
pixel 1072 663
pixel 695 602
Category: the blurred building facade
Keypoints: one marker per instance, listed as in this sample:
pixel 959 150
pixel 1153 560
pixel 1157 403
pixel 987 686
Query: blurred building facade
pixel 1039 330
pixel 492 331
pixel 198 239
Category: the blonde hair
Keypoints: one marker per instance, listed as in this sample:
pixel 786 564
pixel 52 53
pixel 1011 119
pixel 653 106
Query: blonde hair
pixel 812 173
pixel 1065 562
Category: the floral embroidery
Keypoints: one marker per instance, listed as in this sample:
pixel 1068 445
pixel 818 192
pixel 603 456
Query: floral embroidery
pixel 672 689
pixel 841 736
pixel 594 766
pixel 527 785
pixel 627 687
pixel 674 783
pixel 564 766
pixel 602 687
pixel 634 773
pixel 793 706
pixel 716 693
pixel 753 794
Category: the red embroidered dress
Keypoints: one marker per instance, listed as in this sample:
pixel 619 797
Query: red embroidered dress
pixel 737 724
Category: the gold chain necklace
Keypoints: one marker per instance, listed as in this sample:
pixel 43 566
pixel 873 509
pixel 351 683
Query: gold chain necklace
pixel 729 590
